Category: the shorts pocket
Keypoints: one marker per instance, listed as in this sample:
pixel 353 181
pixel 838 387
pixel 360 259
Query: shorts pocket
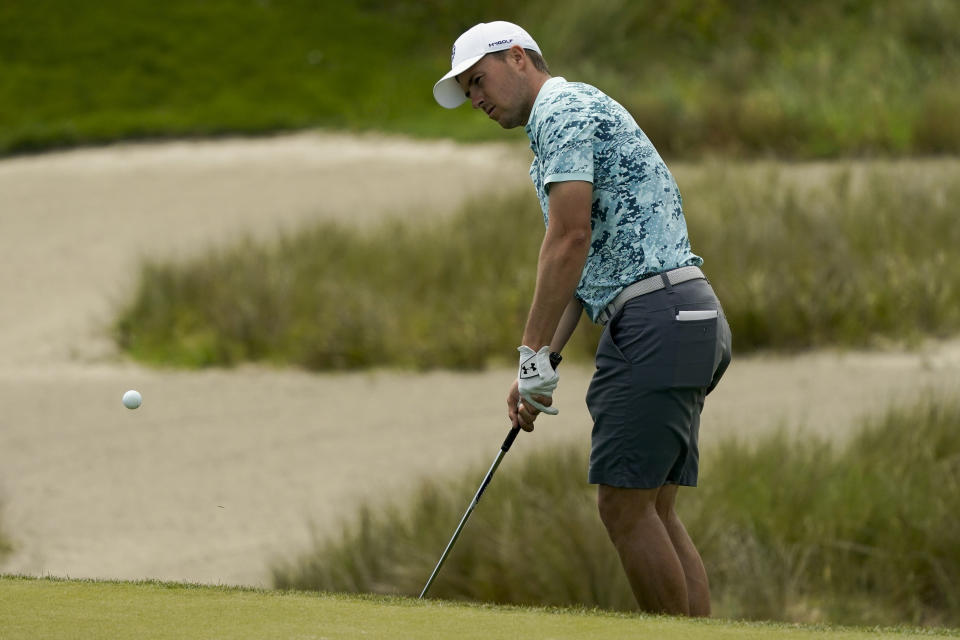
pixel 607 347
pixel 694 337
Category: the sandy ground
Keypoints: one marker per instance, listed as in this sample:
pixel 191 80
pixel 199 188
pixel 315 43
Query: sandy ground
pixel 221 473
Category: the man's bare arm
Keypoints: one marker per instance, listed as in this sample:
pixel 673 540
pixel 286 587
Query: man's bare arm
pixel 562 256
pixel 568 324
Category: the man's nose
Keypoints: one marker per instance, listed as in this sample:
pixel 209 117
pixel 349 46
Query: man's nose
pixel 476 100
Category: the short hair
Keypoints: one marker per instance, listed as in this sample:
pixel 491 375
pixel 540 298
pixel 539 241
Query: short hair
pixel 538 62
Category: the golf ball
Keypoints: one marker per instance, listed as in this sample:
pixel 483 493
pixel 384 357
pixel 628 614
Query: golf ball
pixel 132 399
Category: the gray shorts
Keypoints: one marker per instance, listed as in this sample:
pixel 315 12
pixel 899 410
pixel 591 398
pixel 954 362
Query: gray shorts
pixel 653 374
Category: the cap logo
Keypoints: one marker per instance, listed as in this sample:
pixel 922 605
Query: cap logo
pixel 499 42
pixel 453 54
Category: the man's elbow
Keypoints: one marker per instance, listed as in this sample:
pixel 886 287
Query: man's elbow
pixel 576 239
pixel 570 245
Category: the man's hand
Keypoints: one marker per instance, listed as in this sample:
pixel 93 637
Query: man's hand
pixel 520 414
pixel 537 377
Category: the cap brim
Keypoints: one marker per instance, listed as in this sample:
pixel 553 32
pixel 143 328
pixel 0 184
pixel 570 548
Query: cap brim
pixel 447 91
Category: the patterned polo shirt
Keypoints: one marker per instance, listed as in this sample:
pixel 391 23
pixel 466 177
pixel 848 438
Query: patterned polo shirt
pixel 637 226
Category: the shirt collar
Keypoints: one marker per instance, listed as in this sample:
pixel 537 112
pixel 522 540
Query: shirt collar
pixel 544 90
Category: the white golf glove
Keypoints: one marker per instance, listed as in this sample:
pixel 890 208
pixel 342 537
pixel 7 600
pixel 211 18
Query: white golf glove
pixel 537 377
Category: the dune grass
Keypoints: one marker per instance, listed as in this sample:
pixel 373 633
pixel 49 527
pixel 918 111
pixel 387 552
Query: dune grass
pixel 331 298
pixel 6 545
pixel 54 609
pixel 859 258
pixel 812 79
pixel 791 528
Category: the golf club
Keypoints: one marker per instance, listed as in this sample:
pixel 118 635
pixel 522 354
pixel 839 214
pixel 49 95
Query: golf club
pixel 555 359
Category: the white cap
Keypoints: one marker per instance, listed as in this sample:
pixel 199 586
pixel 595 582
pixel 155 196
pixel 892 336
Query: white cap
pixel 475 43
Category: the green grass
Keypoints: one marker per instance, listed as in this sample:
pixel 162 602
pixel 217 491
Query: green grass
pixel 812 79
pixel 791 528
pixel 53 609
pixel 858 259
pixel 80 75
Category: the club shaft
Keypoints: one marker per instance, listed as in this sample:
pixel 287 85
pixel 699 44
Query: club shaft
pixel 507 443
pixel 466 515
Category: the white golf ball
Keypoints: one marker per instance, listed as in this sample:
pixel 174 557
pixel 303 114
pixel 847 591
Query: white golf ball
pixel 132 399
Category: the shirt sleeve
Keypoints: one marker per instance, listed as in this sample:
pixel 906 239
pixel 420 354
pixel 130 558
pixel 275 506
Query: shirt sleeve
pixel 568 136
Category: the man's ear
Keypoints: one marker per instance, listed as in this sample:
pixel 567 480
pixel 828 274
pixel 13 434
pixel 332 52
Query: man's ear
pixel 517 54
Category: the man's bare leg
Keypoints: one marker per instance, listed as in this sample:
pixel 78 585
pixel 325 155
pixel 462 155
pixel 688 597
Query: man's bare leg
pixel 698 588
pixel 646 551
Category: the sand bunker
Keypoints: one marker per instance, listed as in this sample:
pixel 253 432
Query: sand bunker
pixel 222 472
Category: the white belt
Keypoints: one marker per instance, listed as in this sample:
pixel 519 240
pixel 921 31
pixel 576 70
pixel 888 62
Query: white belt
pixel 648 285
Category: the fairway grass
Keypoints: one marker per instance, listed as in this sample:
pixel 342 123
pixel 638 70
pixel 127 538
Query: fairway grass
pixel 44 608
pixel 811 79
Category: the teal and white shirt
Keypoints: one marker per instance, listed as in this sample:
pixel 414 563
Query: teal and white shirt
pixel 637 226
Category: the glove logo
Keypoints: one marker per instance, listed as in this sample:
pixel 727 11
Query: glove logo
pixel 528 369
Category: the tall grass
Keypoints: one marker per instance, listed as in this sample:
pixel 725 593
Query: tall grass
pixel 419 296
pixel 6 546
pixel 818 78
pixel 861 258
pixel 791 528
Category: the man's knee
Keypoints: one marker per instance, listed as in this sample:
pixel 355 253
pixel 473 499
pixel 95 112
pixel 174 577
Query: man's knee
pixel 621 509
pixel 666 501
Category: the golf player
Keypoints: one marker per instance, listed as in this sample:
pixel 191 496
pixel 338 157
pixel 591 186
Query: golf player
pixel 615 246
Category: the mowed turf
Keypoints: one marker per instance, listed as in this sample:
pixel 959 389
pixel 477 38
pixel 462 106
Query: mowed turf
pixel 42 608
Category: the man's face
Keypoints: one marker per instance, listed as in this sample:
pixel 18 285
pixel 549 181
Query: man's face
pixel 496 85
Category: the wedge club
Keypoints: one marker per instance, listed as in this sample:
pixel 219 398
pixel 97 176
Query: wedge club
pixel 507 442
